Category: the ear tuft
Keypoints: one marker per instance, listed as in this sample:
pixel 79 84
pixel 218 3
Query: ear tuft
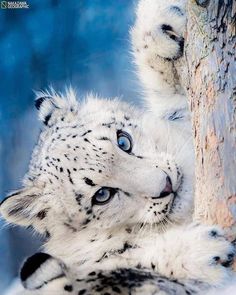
pixel 49 102
pixel 47 118
pixel 38 101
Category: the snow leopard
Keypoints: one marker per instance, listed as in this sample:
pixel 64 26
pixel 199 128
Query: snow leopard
pixel 111 186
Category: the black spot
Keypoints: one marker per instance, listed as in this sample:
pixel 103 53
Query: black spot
pixel 16 210
pixel 89 181
pixel 177 115
pixel 86 132
pixel 86 221
pixel 47 118
pixel 40 100
pixel 69 176
pixel 214 233
pixel 89 211
pixel 81 292
pixel 103 138
pixel 93 273
pixel 42 214
pixel 176 10
pixel 79 280
pixel 116 289
pixel 126 246
pixel 101 258
pixel 78 197
pixel 47 234
pixel 128 230
pixel 165 27
pixel 127 194
pixel 68 288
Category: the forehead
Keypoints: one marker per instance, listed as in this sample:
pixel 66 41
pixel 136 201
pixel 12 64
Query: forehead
pixel 84 139
pixel 96 119
pixel 96 113
pixel 115 111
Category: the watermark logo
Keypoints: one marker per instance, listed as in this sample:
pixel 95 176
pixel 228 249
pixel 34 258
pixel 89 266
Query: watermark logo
pixel 3 4
pixel 14 5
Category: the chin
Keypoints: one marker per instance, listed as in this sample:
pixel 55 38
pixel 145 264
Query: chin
pixel 182 209
pixel 182 206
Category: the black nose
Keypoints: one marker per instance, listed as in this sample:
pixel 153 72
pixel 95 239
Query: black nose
pixel 168 188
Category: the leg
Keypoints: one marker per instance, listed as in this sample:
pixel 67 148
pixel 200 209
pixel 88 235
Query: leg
pixel 44 274
pixel 196 252
pixel 157 40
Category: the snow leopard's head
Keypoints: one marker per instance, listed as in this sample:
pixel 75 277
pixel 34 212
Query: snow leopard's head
pixel 100 164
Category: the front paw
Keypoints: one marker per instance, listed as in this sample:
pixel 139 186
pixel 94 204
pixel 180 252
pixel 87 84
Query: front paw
pixel 210 255
pixel 159 29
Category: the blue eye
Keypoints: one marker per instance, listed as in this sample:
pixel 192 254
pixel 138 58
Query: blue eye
pixel 124 141
pixel 103 196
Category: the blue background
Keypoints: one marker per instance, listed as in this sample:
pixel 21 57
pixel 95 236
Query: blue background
pixel 84 43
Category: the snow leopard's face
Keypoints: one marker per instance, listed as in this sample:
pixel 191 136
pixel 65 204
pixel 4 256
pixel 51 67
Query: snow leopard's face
pixel 99 165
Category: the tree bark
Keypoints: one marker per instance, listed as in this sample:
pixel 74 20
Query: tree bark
pixel 210 82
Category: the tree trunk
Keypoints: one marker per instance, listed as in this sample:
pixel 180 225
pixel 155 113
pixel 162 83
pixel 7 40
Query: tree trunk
pixel 210 81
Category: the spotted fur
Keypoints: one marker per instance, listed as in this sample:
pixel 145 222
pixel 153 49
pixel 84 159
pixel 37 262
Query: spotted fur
pixel 138 242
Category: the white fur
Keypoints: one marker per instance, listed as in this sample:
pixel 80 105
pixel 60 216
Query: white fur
pixel 53 270
pixel 151 48
pixel 155 229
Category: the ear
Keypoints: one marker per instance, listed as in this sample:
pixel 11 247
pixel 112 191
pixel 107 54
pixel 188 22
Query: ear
pixel 23 206
pixel 40 269
pixel 49 103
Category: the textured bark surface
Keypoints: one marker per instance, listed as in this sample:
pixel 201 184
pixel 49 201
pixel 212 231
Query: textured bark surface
pixel 210 81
